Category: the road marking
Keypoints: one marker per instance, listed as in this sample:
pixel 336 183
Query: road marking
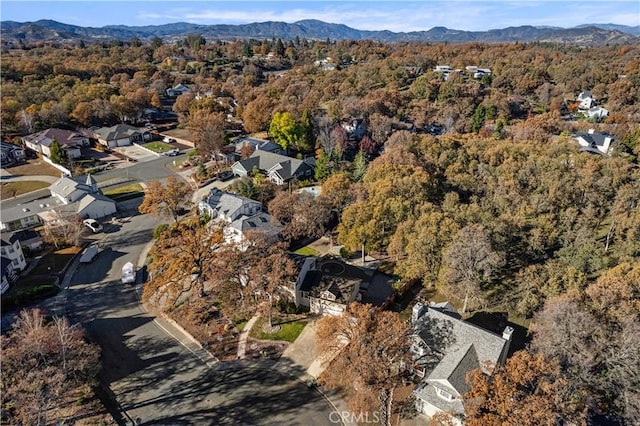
pixel 206 362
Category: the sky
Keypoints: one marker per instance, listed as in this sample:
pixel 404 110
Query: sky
pixel 397 16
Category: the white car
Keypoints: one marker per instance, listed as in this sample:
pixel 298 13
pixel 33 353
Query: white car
pixel 167 139
pixel 172 152
pixel 93 225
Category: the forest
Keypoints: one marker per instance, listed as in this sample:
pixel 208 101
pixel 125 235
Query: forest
pixel 497 211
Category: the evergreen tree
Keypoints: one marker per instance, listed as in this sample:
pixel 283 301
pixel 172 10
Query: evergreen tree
pixel 359 166
pixel 478 119
pixel 323 169
pixel 279 48
pixel 247 52
pixel 55 152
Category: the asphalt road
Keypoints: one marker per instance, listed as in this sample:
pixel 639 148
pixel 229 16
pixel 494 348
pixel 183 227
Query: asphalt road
pixel 155 378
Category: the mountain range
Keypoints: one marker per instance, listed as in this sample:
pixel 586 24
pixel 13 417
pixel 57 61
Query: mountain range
pixel 53 31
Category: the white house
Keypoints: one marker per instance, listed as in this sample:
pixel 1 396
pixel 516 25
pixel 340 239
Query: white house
pixel 12 250
pixel 242 215
pixel 437 330
pixel 443 68
pixel 596 113
pixel 586 100
pixel 177 90
pixel 597 143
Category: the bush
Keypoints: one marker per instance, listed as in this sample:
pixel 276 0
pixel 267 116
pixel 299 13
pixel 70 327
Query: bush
pixel 344 253
pixel 159 230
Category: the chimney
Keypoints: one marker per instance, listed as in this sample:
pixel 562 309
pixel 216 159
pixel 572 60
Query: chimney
pixel 418 310
pixel 507 333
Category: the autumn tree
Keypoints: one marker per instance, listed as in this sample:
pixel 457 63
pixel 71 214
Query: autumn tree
pixel 43 360
pixel 367 351
pixel 530 390
pixel 166 199
pixel 470 261
pixel 301 214
pixel 207 132
pixel 284 130
pixel 256 114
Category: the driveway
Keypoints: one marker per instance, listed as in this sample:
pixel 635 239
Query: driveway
pixel 136 153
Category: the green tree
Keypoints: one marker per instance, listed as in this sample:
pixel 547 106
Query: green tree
pixel 359 166
pixel 477 121
pixel 322 170
pixel 279 48
pixel 247 52
pixel 55 152
pixel 283 130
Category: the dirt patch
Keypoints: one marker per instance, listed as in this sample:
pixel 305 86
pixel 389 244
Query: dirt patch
pixel 13 189
pixel 261 349
pixel 209 327
pixel 34 168
pixel 80 407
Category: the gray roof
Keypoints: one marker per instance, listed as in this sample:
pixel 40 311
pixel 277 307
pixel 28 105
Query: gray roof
pixel 465 346
pixel 260 222
pixel 8 238
pixel 119 131
pixel 90 198
pixel 258 144
pixel 66 186
pixel 226 203
pixel 285 166
pixel 31 208
pixel 594 139
pixel 584 95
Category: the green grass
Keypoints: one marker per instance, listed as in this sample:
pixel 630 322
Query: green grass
pixel 307 251
pixel 125 192
pixel 241 325
pixel 288 332
pixel 12 189
pixel 158 146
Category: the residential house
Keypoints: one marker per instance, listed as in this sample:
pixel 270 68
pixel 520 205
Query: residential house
pixel 586 100
pixel 238 144
pixel 443 68
pixel 11 154
pixel 70 141
pixel 325 64
pixel 30 240
pixel 445 348
pixel 9 275
pixel 119 135
pixel 177 90
pixel 279 168
pixel 477 72
pixel 596 113
pixel 12 250
pixel 69 196
pixel 242 215
pixel 355 128
pixel 596 143
pixel 328 285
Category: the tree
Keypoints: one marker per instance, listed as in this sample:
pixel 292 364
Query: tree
pixel 529 391
pixel 247 52
pixel 207 132
pixel 167 199
pixel 55 152
pixel 470 262
pixel 43 361
pixel 257 113
pixel 301 214
pixel 283 130
pixel 359 166
pixel 367 351
pixel 322 170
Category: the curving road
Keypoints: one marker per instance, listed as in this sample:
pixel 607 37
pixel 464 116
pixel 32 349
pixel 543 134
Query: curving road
pixel 158 379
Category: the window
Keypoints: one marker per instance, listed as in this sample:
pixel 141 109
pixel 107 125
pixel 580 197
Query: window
pixel 444 394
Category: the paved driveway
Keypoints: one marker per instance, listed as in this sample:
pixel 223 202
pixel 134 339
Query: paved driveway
pixel 136 153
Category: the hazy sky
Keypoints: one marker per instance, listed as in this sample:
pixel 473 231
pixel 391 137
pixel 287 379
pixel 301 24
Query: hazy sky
pixel 365 15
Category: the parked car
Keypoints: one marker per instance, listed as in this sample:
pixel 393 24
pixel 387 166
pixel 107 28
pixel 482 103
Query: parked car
pixel 225 175
pixel 172 152
pixel 89 253
pixel 167 139
pixel 93 225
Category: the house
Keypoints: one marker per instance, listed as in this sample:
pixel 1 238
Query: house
pixel 12 250
pixel 69 196
pixel 278 168
pixel 68 140
pixel 445 348
pixel 597 143
pixel 585 100
pixel 118 135
pixel 596 113
pixel 242 215
pixel 355 128
pixel 235 148
pixel 443 68
pixel 9 275
pixel 30 240
pixel 177 90
pixel 11 154
pixel 328 285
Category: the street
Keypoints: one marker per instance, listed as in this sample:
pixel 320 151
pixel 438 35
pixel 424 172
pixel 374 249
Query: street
pixel 156 379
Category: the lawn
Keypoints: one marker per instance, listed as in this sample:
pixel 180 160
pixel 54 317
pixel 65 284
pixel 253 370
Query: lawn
pixel 288 331
pixel 307 251
pixel 125 192
pixel 34 168
pixel 159 147
pixel 55 261
pixel 13 189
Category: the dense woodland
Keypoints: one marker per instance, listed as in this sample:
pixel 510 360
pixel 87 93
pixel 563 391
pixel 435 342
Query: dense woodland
pixel 501 212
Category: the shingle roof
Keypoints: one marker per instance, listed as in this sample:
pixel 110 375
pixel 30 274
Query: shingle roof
pixel 285 166
pixel 226 203
pixel 31 208
pixel 65 186
pixel 62 136
pixel 119 131
pixel 7 238
pixel 90 198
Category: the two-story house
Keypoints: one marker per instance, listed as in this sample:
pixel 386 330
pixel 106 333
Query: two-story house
pixel 595 142
pixel 242 215
pixel 11 154
pixel 445 348
pixel 279 168
pixel 12 250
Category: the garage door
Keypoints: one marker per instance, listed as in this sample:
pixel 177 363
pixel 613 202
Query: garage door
pixel 124 142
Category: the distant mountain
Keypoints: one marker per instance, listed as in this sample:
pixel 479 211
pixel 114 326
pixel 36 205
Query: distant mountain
pixel 48 30
pixel 613 27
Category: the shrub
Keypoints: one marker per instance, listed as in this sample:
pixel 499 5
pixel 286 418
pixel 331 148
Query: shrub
pixel 159 230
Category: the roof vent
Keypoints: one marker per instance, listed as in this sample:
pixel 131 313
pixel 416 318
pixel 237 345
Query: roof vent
pixel 42 206
pixel 25 209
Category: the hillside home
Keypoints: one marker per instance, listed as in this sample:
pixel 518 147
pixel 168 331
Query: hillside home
pixel 279 168
pixel 238 144
pixel 177 90
pixel 328 285
pixel 70 141
pixel 594 142
pixel 118 135
pixel 445 349
pixel 11 154
pixel 585 100
pixel 242 215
